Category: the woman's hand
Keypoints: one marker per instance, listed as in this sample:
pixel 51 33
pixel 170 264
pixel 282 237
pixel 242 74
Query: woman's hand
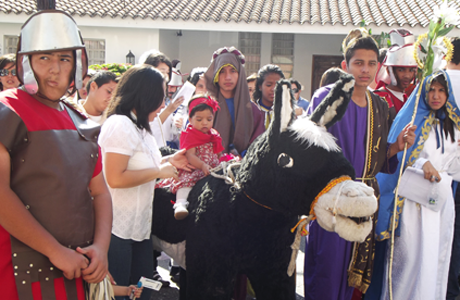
pixel 206 169
pixel 180 161
pixel 430 172
pixel 167 170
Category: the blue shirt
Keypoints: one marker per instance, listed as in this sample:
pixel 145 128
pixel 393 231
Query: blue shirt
pixel 231 109
pixel 303 103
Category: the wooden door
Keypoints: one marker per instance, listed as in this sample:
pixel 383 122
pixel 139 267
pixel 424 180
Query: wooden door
pixel 320 64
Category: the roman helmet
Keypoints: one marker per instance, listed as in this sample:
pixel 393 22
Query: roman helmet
pixel 176 76
pixel 45 31
pixel 400 54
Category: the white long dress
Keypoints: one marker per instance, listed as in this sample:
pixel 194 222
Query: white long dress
pixel 422 251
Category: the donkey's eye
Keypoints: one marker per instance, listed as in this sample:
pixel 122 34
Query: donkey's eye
pixel 285 161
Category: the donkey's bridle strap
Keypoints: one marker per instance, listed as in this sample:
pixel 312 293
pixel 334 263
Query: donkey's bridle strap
pixel 326 189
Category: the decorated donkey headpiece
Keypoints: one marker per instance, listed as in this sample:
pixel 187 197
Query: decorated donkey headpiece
pixel 283 107
pixel 328 112
pixel 333 107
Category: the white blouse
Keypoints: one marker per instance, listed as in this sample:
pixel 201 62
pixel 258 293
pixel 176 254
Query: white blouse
pixel 132 207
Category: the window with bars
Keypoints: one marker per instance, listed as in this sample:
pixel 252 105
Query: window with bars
pixel 283 52
pixel 249 45
pixel 10 43
pixel 96 51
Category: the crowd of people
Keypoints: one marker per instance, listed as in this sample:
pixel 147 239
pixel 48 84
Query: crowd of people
pixel 80 203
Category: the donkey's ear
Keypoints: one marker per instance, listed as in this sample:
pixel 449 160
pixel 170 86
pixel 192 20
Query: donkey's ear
pixel 283 110
pixel 333 107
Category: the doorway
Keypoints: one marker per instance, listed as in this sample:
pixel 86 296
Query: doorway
pixel 320 64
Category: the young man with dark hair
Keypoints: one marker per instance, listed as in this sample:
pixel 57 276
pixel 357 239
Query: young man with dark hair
pixel 99 88
pixel 226 82
pixel 302 104
pixel 333 266
pixel 56 211
pixel 453 286
pixel 398 70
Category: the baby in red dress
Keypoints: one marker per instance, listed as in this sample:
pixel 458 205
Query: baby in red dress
pixel 204 148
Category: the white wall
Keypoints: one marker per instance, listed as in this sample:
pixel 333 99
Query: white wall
pixel 8 29
pixel 170 44
pixel 120 40
pixel 307 45
pixel 196 47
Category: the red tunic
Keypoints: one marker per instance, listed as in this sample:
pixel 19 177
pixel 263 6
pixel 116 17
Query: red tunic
pixel 36 117
pixel 391 99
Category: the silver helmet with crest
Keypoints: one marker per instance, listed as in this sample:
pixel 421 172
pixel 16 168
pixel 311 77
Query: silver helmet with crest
pixel 47 31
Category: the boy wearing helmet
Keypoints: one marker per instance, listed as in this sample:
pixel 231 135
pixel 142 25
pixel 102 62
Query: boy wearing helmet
pixel 398 70
pixel 56 210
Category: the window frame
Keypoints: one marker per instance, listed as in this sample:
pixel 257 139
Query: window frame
pixel 8 45
pixel 245 39
pixel 91 51
pixel 280 45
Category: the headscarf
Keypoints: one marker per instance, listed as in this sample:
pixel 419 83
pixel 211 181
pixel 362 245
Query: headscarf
pixel 203 100
pixel 240 134
pixel 424 120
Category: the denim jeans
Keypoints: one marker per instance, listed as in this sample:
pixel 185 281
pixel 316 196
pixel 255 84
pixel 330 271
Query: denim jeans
pixel 453 288
pixel 128 261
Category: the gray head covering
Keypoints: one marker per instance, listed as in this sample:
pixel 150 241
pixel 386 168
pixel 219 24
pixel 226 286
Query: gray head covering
pixel 240 134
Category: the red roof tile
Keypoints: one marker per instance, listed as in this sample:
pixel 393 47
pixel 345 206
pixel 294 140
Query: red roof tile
pixel 378 12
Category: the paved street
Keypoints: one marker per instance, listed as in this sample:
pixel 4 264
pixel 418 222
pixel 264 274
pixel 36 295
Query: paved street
pixel 172 293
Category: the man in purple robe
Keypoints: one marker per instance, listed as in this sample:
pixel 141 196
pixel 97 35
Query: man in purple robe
pixel 334 266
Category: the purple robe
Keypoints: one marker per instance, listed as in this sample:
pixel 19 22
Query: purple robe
pixel 327 255
pixel 328 269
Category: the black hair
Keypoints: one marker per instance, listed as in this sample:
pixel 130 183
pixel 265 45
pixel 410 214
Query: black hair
pixel 331 76
pixel 199 107
pixel 358 39
pixel 194 76
pixel 448 124
pixel 263 72
pixel 155 59
pixel 101 78
pixel 141 88
pixel 456 52
pixel 297 83
pixel 5 60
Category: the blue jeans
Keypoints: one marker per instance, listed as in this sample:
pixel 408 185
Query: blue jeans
pixel 128 261
pixel 453 288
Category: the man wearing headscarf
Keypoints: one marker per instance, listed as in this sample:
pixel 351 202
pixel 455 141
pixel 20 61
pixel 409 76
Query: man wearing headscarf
pixel 226 81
